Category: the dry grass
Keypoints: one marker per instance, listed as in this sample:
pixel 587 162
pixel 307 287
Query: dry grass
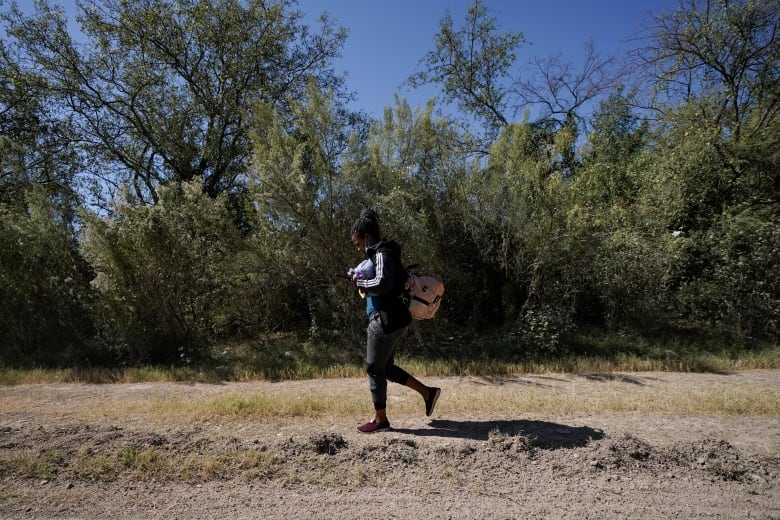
pixel 507 395
pixel 241 369
pixel 613 397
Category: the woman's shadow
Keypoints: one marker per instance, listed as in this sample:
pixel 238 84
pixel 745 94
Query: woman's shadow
pixel 545 435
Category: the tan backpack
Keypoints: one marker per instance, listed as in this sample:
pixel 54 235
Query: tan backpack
pixel 424 295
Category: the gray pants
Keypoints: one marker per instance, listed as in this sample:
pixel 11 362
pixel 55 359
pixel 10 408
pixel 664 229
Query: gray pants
pixel 380 362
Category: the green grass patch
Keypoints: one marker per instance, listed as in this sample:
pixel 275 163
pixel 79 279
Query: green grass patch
pixel 29 463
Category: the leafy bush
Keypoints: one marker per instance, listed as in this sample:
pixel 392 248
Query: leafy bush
pixel 737 288
pixel 44 290
pixel 544 330
pixel 170 276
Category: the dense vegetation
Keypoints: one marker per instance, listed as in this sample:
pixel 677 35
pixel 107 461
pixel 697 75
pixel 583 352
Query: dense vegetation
pixel 168 187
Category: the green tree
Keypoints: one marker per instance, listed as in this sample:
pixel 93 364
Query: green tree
pixel 518 209
pixel 714 175
pixel 159 90
pixel 717 60
pixel 36 147
pixel 618 274
pixel 613 163
pixel 45 314
pixel 723 55
pixel 476 68
pixel 302 205
pixel 472 65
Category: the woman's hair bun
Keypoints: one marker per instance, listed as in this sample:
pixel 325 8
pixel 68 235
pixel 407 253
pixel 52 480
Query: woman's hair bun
pixel 367 222
pixel 369 214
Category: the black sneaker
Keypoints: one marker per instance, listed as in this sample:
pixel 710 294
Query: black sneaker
pixel 433 396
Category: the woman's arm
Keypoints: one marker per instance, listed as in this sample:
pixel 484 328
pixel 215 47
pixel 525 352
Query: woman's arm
pixel 382 282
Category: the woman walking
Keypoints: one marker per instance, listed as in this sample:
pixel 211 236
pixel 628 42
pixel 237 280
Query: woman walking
pixel 388 319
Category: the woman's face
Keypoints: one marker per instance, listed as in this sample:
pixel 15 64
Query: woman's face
pixel 360 242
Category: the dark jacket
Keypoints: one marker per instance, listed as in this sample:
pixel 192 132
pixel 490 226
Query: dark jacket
pixel 388 283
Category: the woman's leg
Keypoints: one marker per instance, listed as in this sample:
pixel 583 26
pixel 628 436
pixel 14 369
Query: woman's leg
pixel 381 368
pixel 430 394
pixel 380 348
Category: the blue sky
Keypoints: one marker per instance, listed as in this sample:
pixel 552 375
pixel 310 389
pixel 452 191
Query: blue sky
pixel 387 39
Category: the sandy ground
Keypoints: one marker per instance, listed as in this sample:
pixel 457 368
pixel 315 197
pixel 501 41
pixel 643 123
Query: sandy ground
pixel 459 466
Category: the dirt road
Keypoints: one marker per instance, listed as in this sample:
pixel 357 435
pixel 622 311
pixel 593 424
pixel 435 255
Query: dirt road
pixel 564 464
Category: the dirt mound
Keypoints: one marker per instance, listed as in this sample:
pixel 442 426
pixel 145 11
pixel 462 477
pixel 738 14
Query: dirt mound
pixel 719 458
pixel 624 452
pixel 702 458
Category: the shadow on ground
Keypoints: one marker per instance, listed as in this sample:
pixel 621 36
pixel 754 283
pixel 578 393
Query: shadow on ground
pixel 546 435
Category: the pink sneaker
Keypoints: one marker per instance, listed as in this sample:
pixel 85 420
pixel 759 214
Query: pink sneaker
pixel 373 427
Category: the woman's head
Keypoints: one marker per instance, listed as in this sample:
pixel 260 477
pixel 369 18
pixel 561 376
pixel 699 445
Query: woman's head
pixel 365 230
